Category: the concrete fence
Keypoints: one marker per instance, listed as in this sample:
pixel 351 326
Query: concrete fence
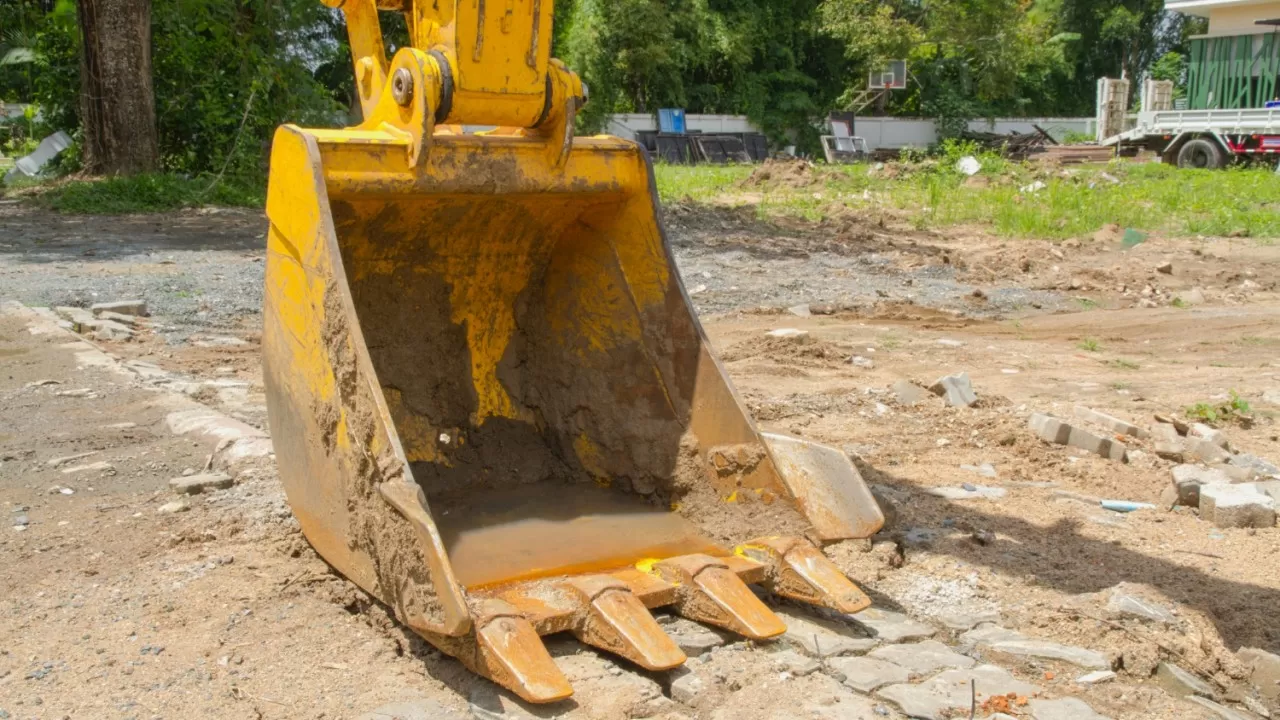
pixel 879 132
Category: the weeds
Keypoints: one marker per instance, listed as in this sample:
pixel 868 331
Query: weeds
pixel 1237 409
pixel 1123 364
pixel 1148 196
pixel 150 192
pixel 1089 345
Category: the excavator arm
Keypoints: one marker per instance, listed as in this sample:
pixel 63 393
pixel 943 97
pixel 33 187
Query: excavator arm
pixel 492 405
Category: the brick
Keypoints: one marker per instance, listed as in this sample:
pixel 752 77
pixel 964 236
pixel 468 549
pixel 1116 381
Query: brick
pixel 1111 424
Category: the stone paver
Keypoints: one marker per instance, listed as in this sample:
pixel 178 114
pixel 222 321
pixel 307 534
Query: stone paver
pixel 890 626
pixel 1123 600
pixel 1188 479
pixel 1223 712
pixel 686 685
pixel 1179 683
pixel 909 393
pixel 1109 423
pixel 1237 506
pixel 1051 429
pixel 956 389
pixel 196 484
pixel 797 336
pixel 1046 650
pixel 1063 709
pixel 794 663
pixel 691 637
pixel 949 692
pixel 1265 667
pixel 867 674
pixel 1002 640
pixel 820 638
pixel 923 658
pixel 1096 677
pixel 966 620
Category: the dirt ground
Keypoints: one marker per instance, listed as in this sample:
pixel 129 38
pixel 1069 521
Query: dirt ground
pixel 113 609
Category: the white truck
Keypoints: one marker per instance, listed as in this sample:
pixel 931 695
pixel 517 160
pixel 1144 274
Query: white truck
pixel 1188 138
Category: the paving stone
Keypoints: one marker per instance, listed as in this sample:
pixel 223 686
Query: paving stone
pixel 967 620
pixel 421 709
pixel 1257 464
pixel 983 492
pixel 1270 488
pixel 799 337
pixel 794 663
pixel 909 393
pixel 1265 669
pixel 948 693
pixel 1109 423
pixel 821 638
pixel 889 626
pixel 1179 683
pixel 686 686
pixel 1123 600
pixel 1046 650
pixel 1063 709
pixel 956 389
pixel 1188 479
pixel 124 307
pixel 1237 506
pixel 488 702
pixel 691 637
pixel 196 484
pixel 109 330
pixel 987 634
pixel 1212 434
pixel 1002 640
pixel 866 674
pixel 922 658
pixel 1096 677
pixel 1223 712
pixel 1165 432
pixel 1051 429
pixel 176 506
pixel 1201 450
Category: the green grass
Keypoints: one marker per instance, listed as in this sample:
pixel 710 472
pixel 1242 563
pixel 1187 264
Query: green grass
pixel 152 192
pixel 1090 345
pixel 1149 197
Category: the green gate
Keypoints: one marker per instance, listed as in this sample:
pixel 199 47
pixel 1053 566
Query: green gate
pixel 1233 72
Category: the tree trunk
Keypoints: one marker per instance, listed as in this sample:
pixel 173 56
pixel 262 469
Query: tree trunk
pixel 117 104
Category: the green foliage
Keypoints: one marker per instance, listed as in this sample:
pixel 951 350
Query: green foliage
pixel 761 58
pixel 151 192
pixel 1236 409
pixel 1204 412
pixel 1090 345
pixel 1172 66
pixel 225 75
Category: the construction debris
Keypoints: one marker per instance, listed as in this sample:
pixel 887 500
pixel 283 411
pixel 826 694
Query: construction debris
pixel 1051 429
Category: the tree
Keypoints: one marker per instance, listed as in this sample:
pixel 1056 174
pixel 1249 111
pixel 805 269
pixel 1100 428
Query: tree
pixel 117 105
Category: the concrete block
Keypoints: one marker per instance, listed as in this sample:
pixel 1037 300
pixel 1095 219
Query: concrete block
pixel 1180 683
pixel 909 393
pixel 956 389
pixel 196 484
pixel 1237 506
pixel 124 307
pixel 1204 451
pixel 1213 435
pixel 799 337
pixel 1188 479
pixel 1109 423
pixel 1265 669
pixel 1051 429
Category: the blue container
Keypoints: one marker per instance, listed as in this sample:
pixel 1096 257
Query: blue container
pixel 671 120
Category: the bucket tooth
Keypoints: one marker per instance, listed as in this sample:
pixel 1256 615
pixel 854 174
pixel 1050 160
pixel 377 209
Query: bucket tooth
pixel 615 620
pixel 511 654
pixel 799 571
pixel 708 591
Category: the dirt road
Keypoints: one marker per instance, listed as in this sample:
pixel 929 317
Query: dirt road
pixel 112 608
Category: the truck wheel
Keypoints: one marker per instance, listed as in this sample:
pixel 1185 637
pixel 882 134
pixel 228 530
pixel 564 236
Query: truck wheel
pixel 1201 153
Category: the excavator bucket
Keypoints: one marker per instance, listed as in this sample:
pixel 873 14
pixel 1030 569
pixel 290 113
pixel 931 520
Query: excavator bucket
pixel 492 405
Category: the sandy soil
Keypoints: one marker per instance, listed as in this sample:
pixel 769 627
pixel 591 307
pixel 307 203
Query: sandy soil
pixel 112 609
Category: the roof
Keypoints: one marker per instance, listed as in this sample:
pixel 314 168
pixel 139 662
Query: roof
pixel 1202 7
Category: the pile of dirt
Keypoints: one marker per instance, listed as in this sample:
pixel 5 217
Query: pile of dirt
pixel 782 172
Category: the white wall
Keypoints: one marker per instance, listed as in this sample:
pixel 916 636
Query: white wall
pixel 879 132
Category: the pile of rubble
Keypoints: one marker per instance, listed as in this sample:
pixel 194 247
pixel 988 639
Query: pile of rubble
pixel 1230 489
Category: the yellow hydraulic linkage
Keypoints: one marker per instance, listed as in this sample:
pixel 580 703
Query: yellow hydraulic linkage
pixel 492 405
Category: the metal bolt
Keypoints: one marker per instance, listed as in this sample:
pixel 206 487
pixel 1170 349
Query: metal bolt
pixel 402 87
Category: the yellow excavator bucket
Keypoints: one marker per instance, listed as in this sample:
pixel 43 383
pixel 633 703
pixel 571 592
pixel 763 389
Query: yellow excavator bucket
pixel 492 405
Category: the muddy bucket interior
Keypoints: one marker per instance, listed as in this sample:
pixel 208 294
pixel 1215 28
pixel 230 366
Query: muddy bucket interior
pixel 538 360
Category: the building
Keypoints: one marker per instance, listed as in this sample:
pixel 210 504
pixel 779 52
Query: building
pixel 1236 64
